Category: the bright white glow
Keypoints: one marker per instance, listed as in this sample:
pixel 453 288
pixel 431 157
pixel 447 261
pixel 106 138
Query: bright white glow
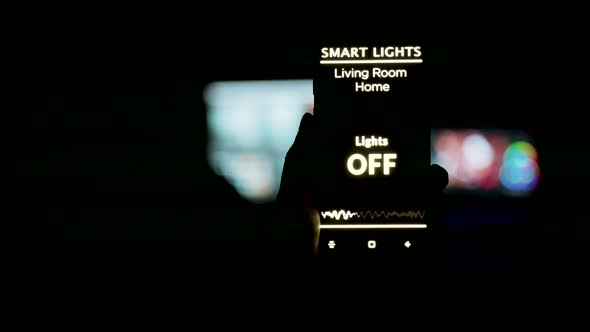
pixel 223 94
pixel 280 117
pixel 373 226
pixel 407 244
pixel 336 62
pixel 240 125
pixel 477 151
pixel 331 244
pixel 371 244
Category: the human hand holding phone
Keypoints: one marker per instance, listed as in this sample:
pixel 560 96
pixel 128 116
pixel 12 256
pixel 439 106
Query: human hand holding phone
pixel 299 182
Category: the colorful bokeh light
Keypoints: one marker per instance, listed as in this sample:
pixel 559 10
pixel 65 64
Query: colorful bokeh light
pixel 487 161
pixel 520 171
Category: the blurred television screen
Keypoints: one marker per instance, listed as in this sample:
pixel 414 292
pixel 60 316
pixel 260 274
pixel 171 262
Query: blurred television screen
pixel 252 124
pixel 487 161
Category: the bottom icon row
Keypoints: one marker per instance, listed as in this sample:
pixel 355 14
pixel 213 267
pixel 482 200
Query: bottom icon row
pixel 371 244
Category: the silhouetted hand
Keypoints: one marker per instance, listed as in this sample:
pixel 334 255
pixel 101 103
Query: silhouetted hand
pixel 295 192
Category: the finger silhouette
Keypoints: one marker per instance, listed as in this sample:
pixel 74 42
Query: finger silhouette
pixel 438 178
pixel 294 179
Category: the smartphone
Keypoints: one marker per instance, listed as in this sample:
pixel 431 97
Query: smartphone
pixel 373 150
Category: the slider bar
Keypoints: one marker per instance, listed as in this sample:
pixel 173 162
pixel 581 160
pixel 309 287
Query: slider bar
pixel 372 226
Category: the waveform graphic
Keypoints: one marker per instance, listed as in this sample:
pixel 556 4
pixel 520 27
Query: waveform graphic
pixel 389 214
pixel 338 214
pixel 345 214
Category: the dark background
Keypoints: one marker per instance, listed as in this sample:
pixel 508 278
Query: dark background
pixel 87 85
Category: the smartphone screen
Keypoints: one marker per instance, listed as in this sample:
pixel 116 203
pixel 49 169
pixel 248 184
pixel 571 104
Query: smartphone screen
pixel 373 148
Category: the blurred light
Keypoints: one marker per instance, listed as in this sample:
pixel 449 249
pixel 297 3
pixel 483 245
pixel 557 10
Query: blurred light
pixel 492 178
pixel 520 171
pixel 252 124
pixel 447 145
pixel 477 152
pixel 250 173
pixel 241 127
pixel 487 161
pixel 283 122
